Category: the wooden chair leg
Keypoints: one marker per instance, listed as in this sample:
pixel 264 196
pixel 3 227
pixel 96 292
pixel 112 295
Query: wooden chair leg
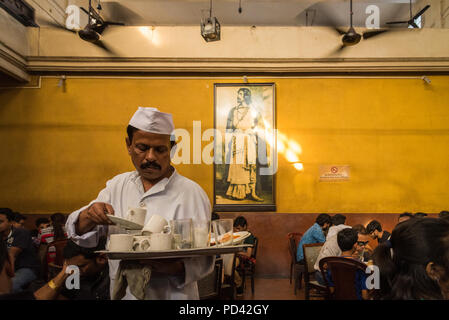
pixel 307 292
pixel 291 271
pixel 252 283
pixel 300 280
pixel 295 282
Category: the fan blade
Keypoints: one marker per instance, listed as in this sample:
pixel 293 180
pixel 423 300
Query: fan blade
pixel 117 12
pixel 102 45
pixel 109 23
pixel 413 24
pixel 421 12
pixel 397 22
pixel 58 26
pixel 338 50
pixel 340 31
pixel 370 34
pixel 87 12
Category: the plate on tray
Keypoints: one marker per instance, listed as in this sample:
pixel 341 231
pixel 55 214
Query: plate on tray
pixel 238 237
pixel 126 224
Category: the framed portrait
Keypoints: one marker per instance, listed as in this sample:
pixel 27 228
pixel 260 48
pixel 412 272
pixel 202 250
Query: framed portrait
pixel 245 158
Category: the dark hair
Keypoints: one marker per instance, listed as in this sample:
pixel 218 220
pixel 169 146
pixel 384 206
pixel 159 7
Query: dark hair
pixel 323 218
pixel 346 238
pixel 17 217
pixel 360 229
pixel 405 214
pixel 72 249
pixel 444 214
pixel 39 221
pixel 420 215
pixel 58 221
pixel 240 221
pixel 130 131
pixel 8 213
pixel 373 225
pixel 215 216
pixel 338 219
pixel 402 261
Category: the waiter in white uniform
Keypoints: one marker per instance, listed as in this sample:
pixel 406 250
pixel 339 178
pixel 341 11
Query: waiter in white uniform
pixel 157 186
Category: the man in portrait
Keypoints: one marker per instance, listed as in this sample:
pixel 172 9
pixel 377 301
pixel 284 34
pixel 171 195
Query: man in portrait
pixel 244 129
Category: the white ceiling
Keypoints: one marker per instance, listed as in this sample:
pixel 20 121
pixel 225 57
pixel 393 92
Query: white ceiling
pixel 254 12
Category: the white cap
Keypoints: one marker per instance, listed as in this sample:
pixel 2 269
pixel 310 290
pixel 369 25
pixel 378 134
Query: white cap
pixel 152 120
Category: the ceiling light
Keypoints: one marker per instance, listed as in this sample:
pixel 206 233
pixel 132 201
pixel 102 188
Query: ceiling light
pixel 210 27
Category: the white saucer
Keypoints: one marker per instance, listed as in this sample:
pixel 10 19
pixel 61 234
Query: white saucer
pixel 238 237
pixel 242 235
pixel 126 224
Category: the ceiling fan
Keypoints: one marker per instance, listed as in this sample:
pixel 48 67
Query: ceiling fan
pixel 94 29
pixel 351 37
pixel 412 20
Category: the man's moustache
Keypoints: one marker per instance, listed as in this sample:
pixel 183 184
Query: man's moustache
pixel 153 165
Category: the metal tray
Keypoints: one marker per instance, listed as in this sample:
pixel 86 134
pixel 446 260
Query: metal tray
pixel 175 254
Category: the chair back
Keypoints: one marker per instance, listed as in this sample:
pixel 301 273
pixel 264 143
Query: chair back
pixel 209 287
pixel 296 236
pixel 343 272
pixel 292 248
pixel 311 252
pixel 255 246
pixel 59 246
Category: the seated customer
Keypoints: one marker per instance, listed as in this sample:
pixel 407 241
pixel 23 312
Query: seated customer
pixel 315 234
pixel 18 220
pixel 94 278
pixel 374 229
pixel 347 241
pixel 244 257
pixel 338 223
pixel 22 253
pixel 56 233
pixel 414 264
pixel 332 249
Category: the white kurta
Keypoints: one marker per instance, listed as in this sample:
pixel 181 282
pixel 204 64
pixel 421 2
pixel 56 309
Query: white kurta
pixel 173 198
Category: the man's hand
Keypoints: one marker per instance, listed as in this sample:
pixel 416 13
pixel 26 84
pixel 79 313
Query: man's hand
pixel 94 215
pixel 165 266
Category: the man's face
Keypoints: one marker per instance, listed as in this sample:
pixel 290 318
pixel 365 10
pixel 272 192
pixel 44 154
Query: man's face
pixel 150 154
pixel 88 267
pixel 374 234
pixel 240 228
pixel 20 224
pixel 5 225
pixel 44 225
pixel 362 241
pixel 243 97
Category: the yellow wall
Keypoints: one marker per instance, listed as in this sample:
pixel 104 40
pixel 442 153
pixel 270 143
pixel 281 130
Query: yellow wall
pixel 59 147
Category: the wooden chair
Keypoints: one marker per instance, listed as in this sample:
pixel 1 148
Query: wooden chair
pixel 296 238
pixel 343 271
pixel 209 287
pixel 311 252
pixel 53 268
pixel 247 267
pixel 295 267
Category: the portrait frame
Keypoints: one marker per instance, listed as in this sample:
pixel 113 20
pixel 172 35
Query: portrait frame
pixel 245 154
